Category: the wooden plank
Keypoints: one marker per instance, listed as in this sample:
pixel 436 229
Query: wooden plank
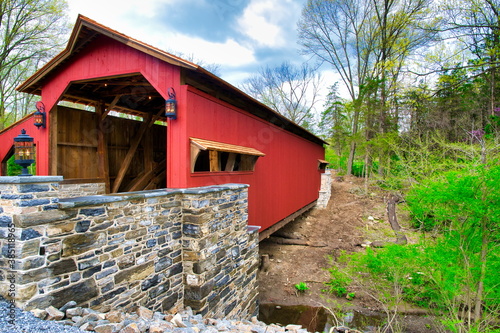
pixel 219 146
pixel 230 162
pixel 275 227
pixel 148 156
pixel 214 160
pixel 153 184
pixel 53 138
pixel 131 152
pixel 77 144
pixel 102 147
pixel 195 151
pixel 142 180
pixel 110 107
pixel 247 162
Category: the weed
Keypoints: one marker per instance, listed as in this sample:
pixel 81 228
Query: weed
pixel 301 287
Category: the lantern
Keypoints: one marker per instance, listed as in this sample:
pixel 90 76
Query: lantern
pixel 24 152
pixel 171 104
pixel 39 116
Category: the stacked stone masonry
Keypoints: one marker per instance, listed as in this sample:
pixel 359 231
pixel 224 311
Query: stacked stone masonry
pixel 162 249
pixel 325 191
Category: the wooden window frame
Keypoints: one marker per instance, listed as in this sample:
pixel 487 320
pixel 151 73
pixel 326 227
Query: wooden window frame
pixel 224 157
pixel 322 164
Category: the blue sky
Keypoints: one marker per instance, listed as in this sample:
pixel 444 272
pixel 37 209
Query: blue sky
pixel 239 35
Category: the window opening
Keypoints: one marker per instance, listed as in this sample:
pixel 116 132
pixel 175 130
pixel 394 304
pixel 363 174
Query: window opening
pixel 216 156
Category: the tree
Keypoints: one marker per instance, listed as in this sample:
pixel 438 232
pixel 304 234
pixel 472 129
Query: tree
pixel 339 33
pixel 475 25
pixel 367 42
pixel 288 89
pixel 31 31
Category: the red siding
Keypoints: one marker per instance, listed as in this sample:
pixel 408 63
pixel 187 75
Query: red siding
pixel 284 180
pixel 107 57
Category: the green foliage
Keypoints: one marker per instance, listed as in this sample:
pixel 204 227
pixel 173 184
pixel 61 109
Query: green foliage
pixel 445 272
pixel 301 287
pixel 467 195
pixel 13 169
pixel 339 281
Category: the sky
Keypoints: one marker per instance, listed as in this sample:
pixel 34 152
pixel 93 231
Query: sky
pixel 240 36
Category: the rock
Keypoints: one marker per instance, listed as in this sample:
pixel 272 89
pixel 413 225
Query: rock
pixel 158 316
pixel 74 312
pixel 108 328
pixel 143 325
pixel 177 321
pixel 54 314
pixel 115 316
pixel 131 328
pixel 89 326
pixel 145 313
pixel 160 327
pixel 293 328
pixel 42 314
pixel 91 317
pixel 69 305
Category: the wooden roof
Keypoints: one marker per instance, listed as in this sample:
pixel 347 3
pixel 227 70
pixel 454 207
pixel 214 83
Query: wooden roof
pixel 87 30
pixel 219 146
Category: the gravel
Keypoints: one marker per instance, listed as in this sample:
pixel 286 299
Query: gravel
pixel 14 320
pixel 26 322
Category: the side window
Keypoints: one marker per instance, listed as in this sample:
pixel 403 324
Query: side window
pixel 322 164
pixel 211 156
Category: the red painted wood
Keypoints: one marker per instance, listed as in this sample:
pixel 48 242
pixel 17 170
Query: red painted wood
pixel 107 57
pixel 284 180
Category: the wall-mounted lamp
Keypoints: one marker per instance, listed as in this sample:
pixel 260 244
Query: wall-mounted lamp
pixel 24 152
pixel 39 116
pixel 171 104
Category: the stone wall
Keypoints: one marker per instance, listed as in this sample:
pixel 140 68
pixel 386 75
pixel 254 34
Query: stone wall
pixel 68 190
pixel 325 191
pixel 162 249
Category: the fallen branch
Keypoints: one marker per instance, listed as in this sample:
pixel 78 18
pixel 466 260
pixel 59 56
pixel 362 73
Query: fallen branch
pixel 393 221
pixel 288 241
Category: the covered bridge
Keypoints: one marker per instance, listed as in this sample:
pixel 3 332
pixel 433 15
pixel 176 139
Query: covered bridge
pixel 219 134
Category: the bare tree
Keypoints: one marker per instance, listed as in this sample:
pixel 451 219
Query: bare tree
pixel 288 89
pixel 367 42
pixel 31 31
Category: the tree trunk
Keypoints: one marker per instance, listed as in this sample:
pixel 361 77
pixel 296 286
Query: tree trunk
pixel 482 275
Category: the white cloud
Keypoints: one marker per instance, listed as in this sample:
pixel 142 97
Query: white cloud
pixel 114 10
pixel 229 53
pixel 264 21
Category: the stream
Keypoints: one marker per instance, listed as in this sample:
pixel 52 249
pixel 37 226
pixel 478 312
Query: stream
pixel 317 319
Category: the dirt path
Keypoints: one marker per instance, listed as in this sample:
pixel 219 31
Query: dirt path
pixel 340 226
pixel 353 216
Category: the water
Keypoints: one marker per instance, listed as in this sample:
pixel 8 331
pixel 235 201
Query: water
pixel 317 319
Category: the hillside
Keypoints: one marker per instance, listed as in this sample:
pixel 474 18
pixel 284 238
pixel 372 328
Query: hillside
pixel 353 217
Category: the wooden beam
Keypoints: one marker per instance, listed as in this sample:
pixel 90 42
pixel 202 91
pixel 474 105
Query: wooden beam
pixel 195 151
pixel 153 184
pixel 130 154
pixel 53 138
pixel 214 160
pixel 102 147
pixel 275 227
pixel 230 162
pixel 110 107
pixel 140 182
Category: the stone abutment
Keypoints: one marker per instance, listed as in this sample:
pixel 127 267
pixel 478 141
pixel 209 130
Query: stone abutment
pixel 162 249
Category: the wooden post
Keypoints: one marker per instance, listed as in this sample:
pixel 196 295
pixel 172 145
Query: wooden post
pixel 102 146
pixel 53 140
pixel 214 160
